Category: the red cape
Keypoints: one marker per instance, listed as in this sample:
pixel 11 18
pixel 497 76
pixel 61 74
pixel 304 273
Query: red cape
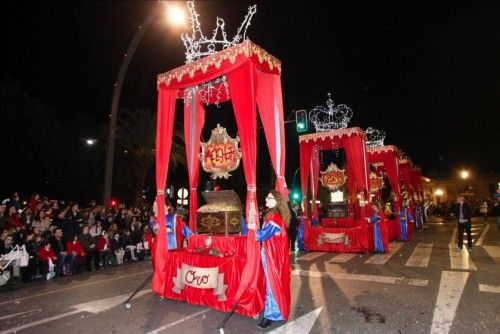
pixel 278 265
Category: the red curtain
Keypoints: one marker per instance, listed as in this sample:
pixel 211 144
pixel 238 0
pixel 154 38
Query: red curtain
pixel 164 131
pixel 357 167
pixel 242 91
pixel 194 119
pixel 270 103
pixel 315 181
pixel 305 166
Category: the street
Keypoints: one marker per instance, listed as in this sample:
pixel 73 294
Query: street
pixel 419 287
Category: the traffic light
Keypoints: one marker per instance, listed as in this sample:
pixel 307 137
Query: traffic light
pixel 296 195
pixel 301 120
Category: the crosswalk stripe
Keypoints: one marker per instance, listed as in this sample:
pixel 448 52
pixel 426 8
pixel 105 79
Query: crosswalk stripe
pixel 420 256
pixel 461 260
pixel 451 288
pixel 481 238
pixel 363 277
pixel 383 258
pixel 493 251
pixel 453 239
pixel 311 256
pixel 342 258
pixel 489 288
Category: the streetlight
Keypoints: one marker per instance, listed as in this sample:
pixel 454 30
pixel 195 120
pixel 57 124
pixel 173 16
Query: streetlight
pixel 90 141
pixel 176 17
pixel 464 174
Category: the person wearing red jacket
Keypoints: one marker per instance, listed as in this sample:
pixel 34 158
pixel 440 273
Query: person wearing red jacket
pixel 103 249
pixel 48 257
pixel 75 247
pixel 13 219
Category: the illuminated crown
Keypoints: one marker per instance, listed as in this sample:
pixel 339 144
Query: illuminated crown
pixel 199 46
pixel 375 137
pixel 330 118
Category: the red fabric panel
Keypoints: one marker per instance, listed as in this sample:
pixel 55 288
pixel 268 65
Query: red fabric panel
pixel 236 244
pixel 164 130
pixel 194 119
pixel 359 237
pixel 314 181
pixel 233 270
pixel 339 222
pixel 305 164
pixel 242 88
pixel 270 102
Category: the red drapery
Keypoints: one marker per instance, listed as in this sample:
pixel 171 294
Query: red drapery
pixel 315 167
pixel 242 90
pixel 390 159
pixel 194 119
pixel 305 167
pixel 270 103
pixel 164 131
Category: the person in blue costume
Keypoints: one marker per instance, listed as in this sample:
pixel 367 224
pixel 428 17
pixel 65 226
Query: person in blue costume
pixel 405 215
pixel 176 229
pixel 275 259
pixel 375 219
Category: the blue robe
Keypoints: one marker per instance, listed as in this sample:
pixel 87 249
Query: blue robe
pixel 377 235
pixel 403 222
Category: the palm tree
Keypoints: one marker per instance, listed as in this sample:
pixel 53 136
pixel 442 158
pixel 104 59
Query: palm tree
pixel 137 137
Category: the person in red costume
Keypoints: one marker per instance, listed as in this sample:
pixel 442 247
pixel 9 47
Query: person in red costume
pixel 275 259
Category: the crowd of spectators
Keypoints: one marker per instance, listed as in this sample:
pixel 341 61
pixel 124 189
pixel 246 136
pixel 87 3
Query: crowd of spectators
pixel 64 239
pixel 480 207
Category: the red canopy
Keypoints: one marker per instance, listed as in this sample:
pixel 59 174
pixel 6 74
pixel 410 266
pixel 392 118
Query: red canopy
pixel 388 155
pixel 253 79
pixel 353 140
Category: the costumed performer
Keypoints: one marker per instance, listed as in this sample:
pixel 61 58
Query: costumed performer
pixel 419 219
pixel 177 229
pixel 405 215
pixel 375 219
pixel 275 259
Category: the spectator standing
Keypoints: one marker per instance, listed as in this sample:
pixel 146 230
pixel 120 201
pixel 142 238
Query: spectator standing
pixel 463 212
pixel 495 211
pixel 483 209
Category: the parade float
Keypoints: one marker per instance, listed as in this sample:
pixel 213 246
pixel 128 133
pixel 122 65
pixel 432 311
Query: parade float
pixel 407 209
pixel 220 267
pixel 385 161
pixel 350 233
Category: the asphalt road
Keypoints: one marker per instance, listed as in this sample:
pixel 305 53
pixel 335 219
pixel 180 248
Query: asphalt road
pixel 424 286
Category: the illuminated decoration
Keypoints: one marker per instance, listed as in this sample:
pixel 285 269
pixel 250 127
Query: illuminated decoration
pixel 375 137
pixel 198 46
pixel 333 177
pixel 330 118
pixel 376 182
pixel 221 154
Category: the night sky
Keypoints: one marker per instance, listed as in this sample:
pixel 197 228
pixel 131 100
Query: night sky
pixel 427 73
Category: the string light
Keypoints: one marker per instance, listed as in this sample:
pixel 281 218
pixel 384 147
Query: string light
pixel 375 137
pixel 198 46
pixel 330 118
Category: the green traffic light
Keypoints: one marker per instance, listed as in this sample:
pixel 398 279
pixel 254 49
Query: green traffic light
pixel 300 125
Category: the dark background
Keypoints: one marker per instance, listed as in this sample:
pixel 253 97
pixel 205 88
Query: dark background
pixel 427 73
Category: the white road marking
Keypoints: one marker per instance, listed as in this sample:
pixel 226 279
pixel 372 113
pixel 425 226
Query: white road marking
pixel 342 258
pixel 383 258
pixel 14 315
pixel 481 238
pixel 72 287
pixel 154 331
pixel 365 278
pixel 451 288
pixel 304 324
pixel 311 256
pixel 494 252
pixel 95 307
pixel 420 256
pixel 460 260
pixel 454 237
pixel 489 288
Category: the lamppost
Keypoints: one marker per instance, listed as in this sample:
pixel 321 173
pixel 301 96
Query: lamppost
pixel 175 16
pixel 464 175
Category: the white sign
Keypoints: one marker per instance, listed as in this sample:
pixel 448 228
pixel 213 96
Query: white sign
pixel 182 193
pixel 333 238
pixel 200 278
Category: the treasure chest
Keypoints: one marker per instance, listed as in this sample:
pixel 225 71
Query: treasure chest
pixel 221 214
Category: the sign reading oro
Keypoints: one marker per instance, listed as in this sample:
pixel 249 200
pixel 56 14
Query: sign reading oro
pixel 333 177
pixel 221 154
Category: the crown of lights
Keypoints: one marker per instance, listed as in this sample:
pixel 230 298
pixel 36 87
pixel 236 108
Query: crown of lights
pixel 330 118
pixel 375 137
pixel 198 46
